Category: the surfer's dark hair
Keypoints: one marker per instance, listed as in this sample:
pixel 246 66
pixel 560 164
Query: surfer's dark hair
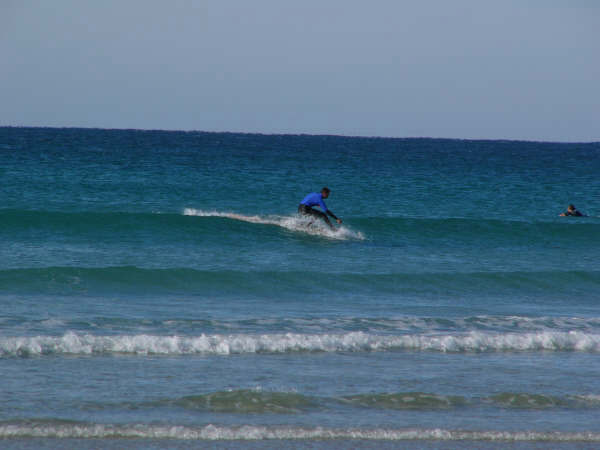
pixel 325 189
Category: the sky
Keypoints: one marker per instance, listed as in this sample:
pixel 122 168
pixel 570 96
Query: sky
pixel 471 69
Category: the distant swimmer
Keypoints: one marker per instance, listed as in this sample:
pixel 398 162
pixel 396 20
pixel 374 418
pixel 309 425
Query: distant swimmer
pixel 572 211
pixel 316 199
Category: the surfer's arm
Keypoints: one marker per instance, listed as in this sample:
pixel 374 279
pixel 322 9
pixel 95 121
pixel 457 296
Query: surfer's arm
pixel 327 211
pixel 334 216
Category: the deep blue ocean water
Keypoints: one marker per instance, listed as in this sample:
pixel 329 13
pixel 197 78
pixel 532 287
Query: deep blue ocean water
pixel 158 289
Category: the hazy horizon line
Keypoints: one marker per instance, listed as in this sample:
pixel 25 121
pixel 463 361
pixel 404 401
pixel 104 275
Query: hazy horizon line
pixel 258 133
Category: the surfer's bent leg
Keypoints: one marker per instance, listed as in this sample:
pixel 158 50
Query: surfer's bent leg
pixel 308 211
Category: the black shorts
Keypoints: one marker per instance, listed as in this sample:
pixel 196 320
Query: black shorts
pixel 308 211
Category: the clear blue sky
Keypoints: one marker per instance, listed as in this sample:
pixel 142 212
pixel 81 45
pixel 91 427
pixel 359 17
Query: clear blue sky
pixel 509 69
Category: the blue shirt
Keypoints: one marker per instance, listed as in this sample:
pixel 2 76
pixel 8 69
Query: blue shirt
pixel 314 199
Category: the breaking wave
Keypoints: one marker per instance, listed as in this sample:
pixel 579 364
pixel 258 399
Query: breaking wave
pixel 292 223
pixel 48 429
pixel 220 344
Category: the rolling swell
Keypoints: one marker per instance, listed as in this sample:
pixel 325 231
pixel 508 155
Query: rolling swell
pixel 130 279
pixel 245 401
pixel 260 401
pixel 373 228
pixel 483 231
pixel 83 222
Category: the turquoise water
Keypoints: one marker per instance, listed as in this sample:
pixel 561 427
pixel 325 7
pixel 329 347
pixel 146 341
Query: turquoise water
pixel 159 287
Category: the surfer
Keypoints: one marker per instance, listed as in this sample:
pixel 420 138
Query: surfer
pixel 572 211
pixel 316 199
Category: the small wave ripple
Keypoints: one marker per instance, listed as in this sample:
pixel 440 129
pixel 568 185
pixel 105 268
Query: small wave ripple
pixel 245 401
pixel 300 325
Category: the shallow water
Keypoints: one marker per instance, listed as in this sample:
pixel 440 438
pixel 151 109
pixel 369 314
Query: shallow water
pixel 158 289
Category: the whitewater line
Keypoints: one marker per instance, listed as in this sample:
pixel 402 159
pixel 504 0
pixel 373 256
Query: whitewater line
pixel 218 344
pixel 293 223
pixel 253 432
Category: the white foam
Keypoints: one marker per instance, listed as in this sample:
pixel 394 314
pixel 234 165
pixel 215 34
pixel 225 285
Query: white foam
pixel 292 223
pixel 251 432
pixel 588 398
pixel 220 344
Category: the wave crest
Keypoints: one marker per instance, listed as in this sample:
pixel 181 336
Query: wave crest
pixel 217 344
pixel 405 400
pixel 246 401
pixel 293 223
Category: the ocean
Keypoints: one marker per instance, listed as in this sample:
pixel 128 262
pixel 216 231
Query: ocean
pixel 159 290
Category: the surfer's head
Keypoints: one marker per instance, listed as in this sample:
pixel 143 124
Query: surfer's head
pixel 325 192
pixel 571 208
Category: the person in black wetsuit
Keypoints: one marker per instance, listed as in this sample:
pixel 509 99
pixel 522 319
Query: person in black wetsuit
pixel 572 211
pixel 316 199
